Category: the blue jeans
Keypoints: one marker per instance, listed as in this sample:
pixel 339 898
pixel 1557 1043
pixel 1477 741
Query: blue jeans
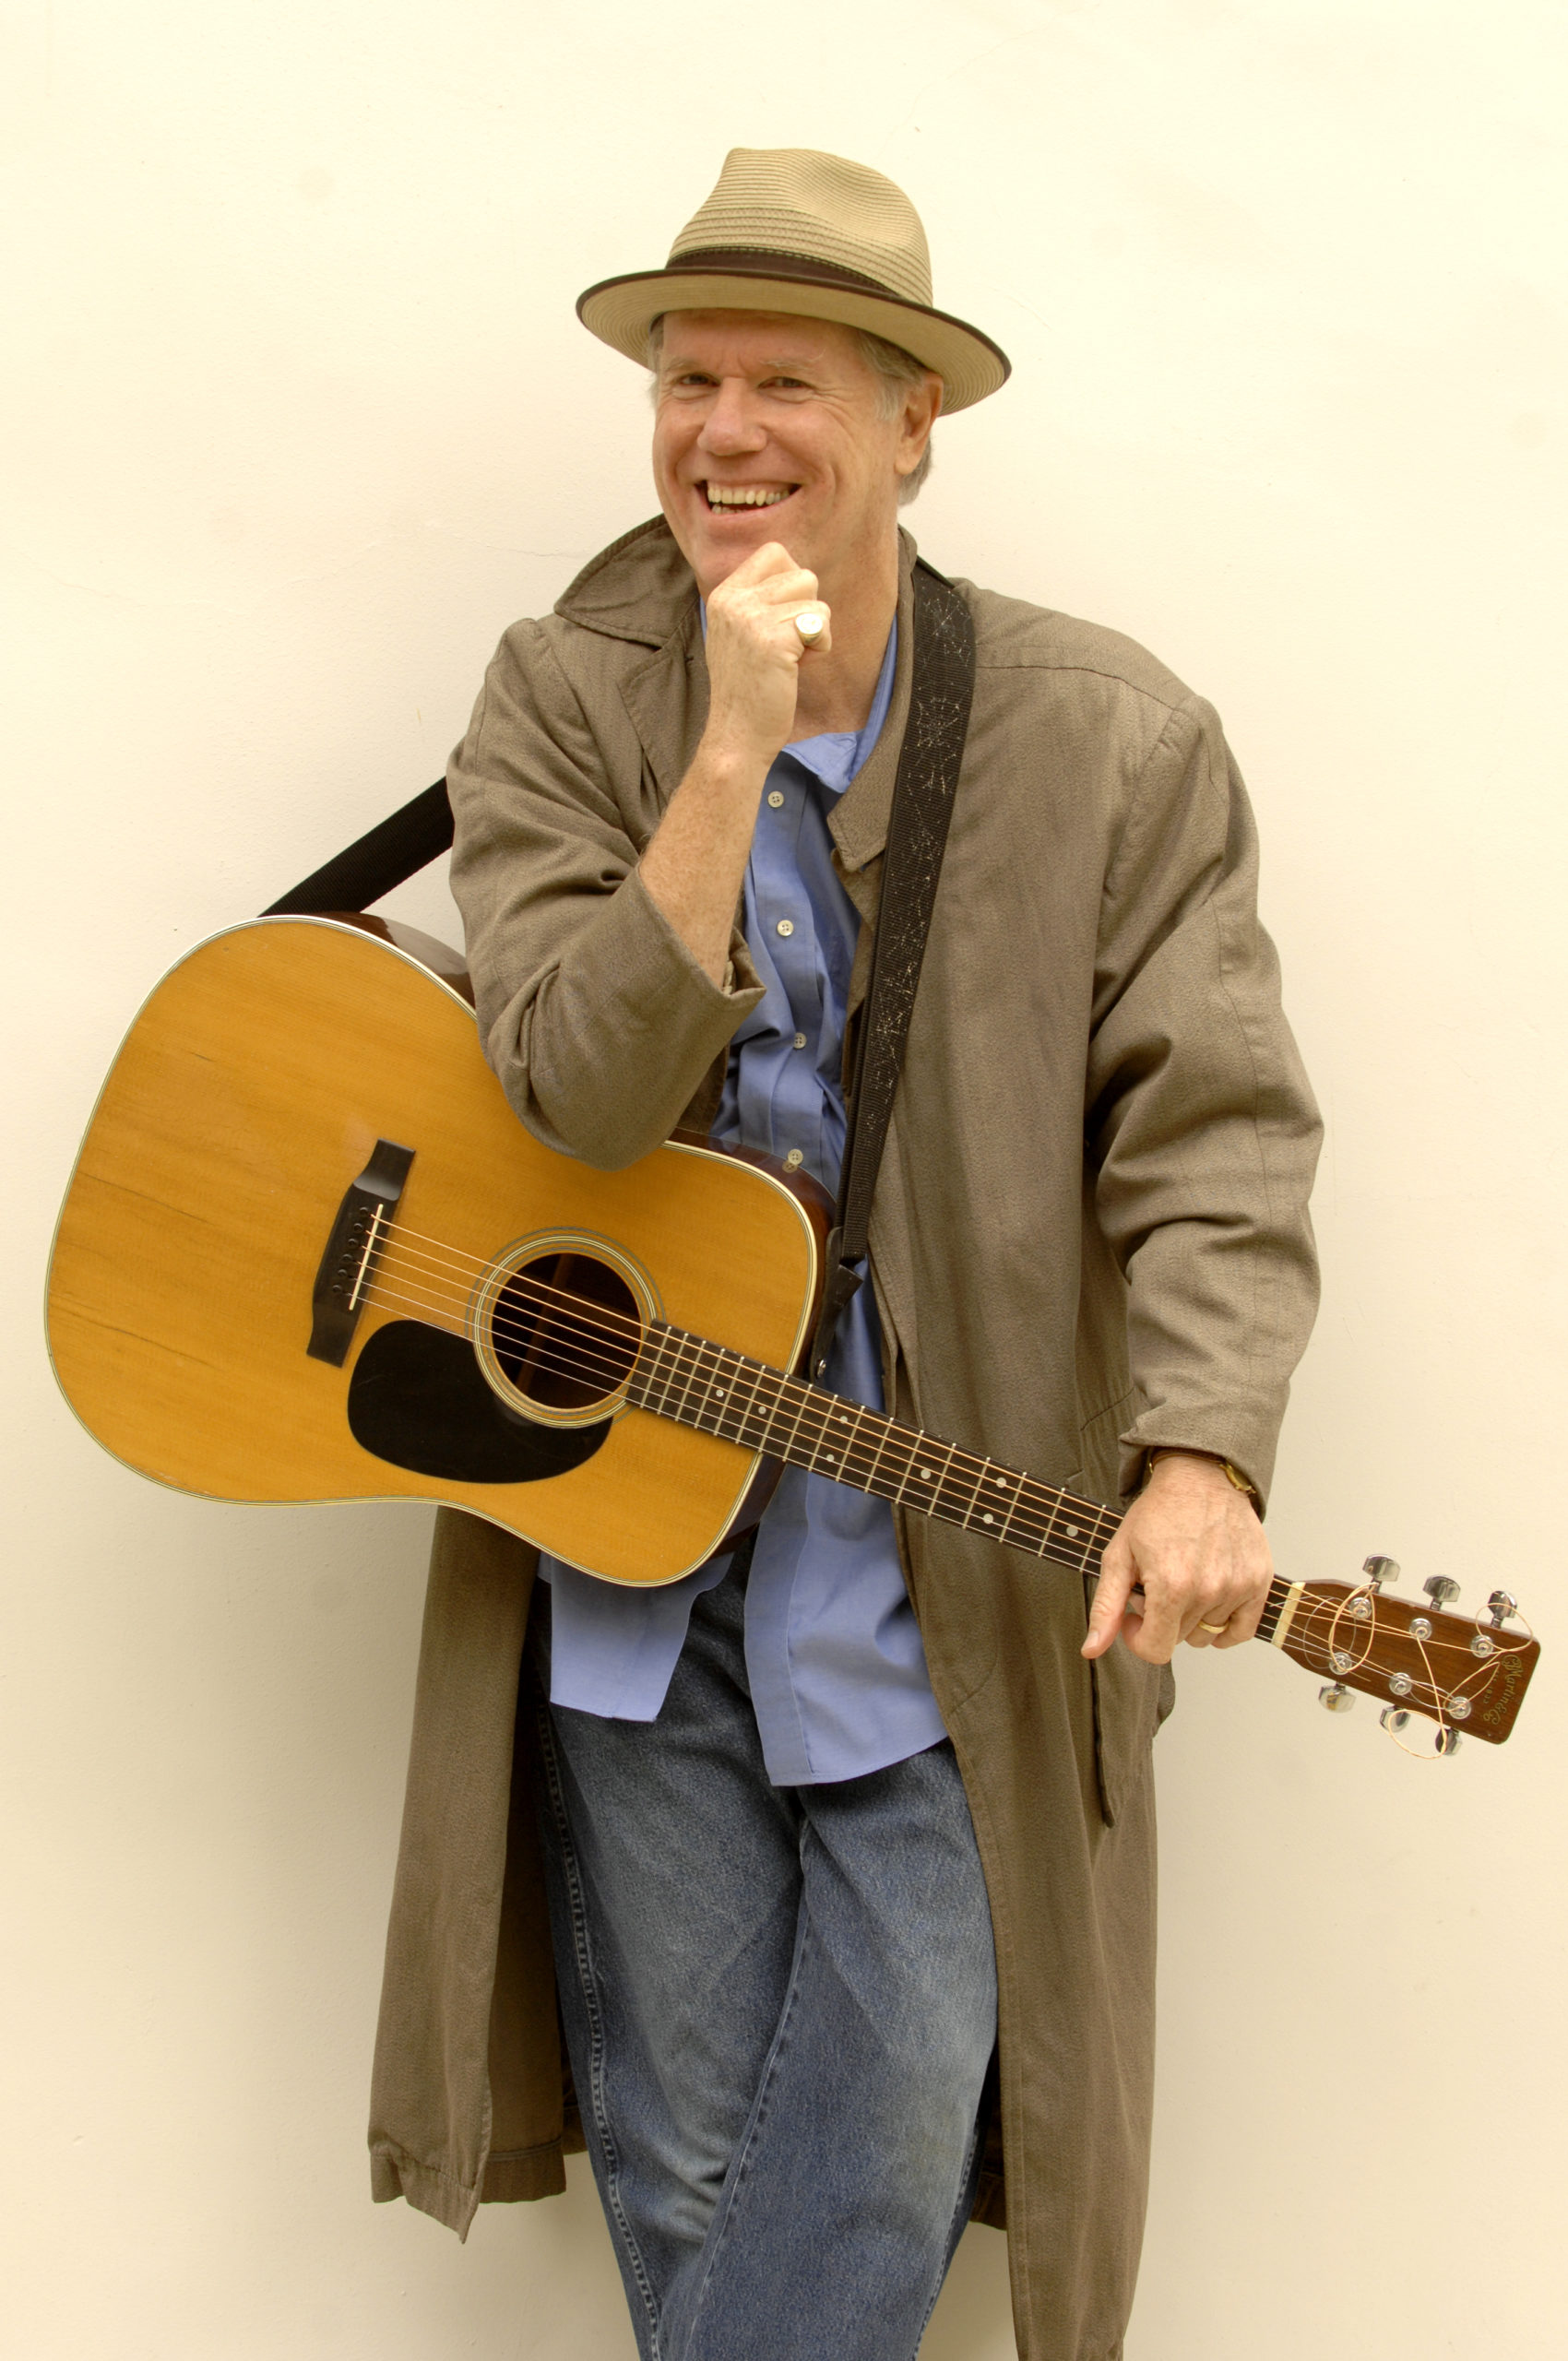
pixel 779 2005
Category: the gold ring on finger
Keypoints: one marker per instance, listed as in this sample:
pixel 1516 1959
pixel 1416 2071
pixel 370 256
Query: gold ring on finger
pixel 1214 1627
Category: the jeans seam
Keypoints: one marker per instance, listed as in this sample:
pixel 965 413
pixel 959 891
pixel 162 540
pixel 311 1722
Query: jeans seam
pixel 582 1954
pixel 965 2197
pixel 719 2230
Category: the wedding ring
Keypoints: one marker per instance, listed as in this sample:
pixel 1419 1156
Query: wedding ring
pixel 1214 1627
pixel 810 628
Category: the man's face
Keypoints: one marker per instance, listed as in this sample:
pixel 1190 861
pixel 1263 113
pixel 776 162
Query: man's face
pixel 770 429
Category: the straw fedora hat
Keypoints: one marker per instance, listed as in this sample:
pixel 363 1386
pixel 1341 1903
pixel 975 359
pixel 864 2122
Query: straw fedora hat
pixel 790 230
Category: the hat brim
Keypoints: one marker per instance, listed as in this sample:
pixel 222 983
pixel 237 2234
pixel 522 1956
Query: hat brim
pixel 619 312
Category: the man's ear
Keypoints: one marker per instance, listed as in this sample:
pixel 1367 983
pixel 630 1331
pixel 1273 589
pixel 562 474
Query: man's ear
pixel 922 405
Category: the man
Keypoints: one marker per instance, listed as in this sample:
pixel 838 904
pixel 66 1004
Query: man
pixel 805 1834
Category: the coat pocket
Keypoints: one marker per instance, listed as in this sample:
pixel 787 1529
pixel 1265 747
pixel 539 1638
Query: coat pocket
pixel 1130 1700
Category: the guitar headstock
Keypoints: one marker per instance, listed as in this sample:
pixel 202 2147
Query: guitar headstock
pixel 1467 1674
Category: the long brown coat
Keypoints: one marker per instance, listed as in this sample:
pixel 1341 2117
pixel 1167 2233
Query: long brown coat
pixel 1090 1237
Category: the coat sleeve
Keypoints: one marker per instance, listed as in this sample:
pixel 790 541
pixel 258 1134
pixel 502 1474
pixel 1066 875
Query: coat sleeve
pixel 598 1020
pixel 1201 1125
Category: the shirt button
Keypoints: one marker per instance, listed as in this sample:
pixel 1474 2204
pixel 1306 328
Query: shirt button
pixel 775 798
pixel 796 1155
pixel 786 926
pixel 800 1040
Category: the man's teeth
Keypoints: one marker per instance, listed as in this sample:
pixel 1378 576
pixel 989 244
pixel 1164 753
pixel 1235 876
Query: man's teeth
pixel 743 495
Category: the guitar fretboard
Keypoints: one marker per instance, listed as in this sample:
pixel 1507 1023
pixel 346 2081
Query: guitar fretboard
pixel 698 1383
pixel 685 1377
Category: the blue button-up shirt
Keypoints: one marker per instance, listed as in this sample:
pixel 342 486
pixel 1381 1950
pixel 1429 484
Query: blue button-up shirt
pixel 833 1653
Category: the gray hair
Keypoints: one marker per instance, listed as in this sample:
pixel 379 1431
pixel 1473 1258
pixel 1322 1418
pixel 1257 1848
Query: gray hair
pixel 895 372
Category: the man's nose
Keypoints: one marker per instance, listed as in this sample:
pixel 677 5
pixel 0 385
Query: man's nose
pixel 733 426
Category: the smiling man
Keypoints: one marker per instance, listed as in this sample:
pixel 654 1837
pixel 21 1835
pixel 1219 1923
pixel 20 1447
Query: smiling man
pixel 837 1856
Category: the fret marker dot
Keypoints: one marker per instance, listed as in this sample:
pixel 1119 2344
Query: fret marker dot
pixel 988 1518
pixel 1072 1533
pixel 925 1474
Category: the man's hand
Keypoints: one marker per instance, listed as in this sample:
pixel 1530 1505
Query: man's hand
pixel 1194 1544
pixel 694 866
pixel 754 654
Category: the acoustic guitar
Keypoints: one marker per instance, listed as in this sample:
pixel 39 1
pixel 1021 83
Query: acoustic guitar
pixel 309 1253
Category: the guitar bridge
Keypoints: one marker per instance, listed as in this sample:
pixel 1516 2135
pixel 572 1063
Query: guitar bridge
pixel 353 1249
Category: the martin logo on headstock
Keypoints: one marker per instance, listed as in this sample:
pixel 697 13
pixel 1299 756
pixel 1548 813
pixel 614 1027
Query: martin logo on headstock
pixel 1461 1674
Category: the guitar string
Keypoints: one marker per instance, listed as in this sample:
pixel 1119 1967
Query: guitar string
pixel 1025 1522
pixel 1477 1680
pixel 1429 1707
pixel 1444 1703
pixel 821 1405
pixel 1028 1518
pixel 579 1365
pixel 604 1315
pixel 458 1261
pixel 608 1357
pixel 1483 1670
pixel 1505 1643
pixel 605 1319
pixel 1105 1522
pixel 1024 1519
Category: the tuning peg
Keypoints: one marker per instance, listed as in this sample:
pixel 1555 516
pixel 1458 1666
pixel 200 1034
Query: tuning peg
pixel 1379 1571
pixel 1446 1742
pixel 1440 1590
pixel 1336 1698
pixel 1393 1719
pixel 1502 1604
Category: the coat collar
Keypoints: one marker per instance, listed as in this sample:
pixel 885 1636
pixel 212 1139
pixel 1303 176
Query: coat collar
pixel 858 821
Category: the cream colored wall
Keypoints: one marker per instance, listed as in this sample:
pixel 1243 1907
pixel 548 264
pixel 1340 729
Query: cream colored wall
pixel 296 418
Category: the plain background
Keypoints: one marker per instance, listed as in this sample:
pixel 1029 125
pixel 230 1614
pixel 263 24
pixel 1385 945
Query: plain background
pixel 296 417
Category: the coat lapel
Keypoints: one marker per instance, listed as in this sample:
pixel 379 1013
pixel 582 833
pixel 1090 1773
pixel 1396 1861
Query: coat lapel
pixel 666 701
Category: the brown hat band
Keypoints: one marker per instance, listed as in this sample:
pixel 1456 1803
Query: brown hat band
pixel 761 262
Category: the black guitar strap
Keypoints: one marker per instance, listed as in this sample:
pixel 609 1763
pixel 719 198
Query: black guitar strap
pixel 940 693
pixel 387 855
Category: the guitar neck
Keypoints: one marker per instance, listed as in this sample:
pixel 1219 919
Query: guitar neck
pixel 700 1384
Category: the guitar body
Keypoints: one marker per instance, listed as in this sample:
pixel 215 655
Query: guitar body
pixel 225 1316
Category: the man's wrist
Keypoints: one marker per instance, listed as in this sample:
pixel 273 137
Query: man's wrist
pixel 731 762
pixel 1223 1467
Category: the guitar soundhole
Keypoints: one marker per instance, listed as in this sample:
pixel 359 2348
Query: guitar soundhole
pixel 564 1331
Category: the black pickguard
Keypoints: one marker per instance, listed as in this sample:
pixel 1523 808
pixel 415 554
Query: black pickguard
pixel 419 1398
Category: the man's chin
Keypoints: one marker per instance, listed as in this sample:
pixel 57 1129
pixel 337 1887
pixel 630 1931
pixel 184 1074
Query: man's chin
pixel 714 546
